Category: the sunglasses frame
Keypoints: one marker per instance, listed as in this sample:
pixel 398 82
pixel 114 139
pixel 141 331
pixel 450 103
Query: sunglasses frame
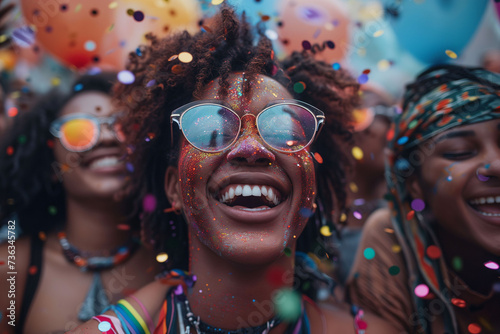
pixel 55 127
pixel 319 119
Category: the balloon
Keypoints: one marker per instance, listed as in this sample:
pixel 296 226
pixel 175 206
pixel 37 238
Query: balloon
pixel 316 22
pixel 427 29
pixel 101 33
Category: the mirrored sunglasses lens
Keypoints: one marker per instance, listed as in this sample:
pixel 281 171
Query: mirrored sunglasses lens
pixel 210 127
pixel 287 127
pixel 78 134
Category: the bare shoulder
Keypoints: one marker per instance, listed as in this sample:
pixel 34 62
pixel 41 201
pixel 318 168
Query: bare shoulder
pixel 379 218
pixel 338 319
pixel 14 259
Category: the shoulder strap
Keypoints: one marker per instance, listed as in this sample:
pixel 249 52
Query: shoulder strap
pixel 36 259
pixel 167 324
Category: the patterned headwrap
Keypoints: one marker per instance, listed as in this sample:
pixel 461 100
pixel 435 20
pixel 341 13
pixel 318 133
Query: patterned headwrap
pixel 443 97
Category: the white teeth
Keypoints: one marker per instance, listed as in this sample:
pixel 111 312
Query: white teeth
pixel 250 190
pixel 256 191
pixel 247 191
pixel 485 200
pixel 105 162
pixel 238 191
pixel 490 200
pixel 482 200
pixel 256 209
pixel 497 199
pixel 489 214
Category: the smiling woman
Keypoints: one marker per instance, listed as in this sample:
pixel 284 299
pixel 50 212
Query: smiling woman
pixel 222 141
pixel 60 177
pixel 439 248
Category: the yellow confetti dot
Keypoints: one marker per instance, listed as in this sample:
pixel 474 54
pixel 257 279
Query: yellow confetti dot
pixel 113 5
pixel 383 65
pixel 162 257
pixel 354 187
pixel 185 57
pixel 329 26
pixel 357 153
pixel 325 231
pixel 451 54
pixel 343 217
pixel 55 81
pixel 396 248
pixel 361 52
pixel 78 7
pixel 3 38
pixel 378 33
pixel 217 2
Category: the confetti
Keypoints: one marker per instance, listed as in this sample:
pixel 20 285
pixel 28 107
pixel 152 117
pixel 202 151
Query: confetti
pixel 287 251
pixel 217 2
pixel 458 302
pixel 457 263
pixel 23 36
pixel 383 65
pixel 394 270
pixel 42 236
pixel 33 270
pixel 149 203
pixel 325 231
pixel 336 66
pixel 12 112
pixel 55 81
pixel 369 253
pixel 126 77
pixel 357 153
pixel 343 217
pixel 396 248
pixel 451 54
pixel 357 215
pixel 474 328
pixel 433 252
pixel 78 7
pixel 378 33
pixel 138 16
pixel 306 212
pixel 287 304
pixel 421 290
pixel 362 79
pixel 418 205
pixel 78 87
pixel 354 187
pixel 104 326
pixel 410 215
pixel 318 158
pixel 299 87
pixel 162 257
pixel 271 34
pixel 402 140
pixel 185 57
pixel 113 5
pixel 90 46
pixel 52 210
pixel 491 265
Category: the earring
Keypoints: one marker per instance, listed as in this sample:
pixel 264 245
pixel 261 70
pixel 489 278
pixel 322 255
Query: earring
pixel 172 209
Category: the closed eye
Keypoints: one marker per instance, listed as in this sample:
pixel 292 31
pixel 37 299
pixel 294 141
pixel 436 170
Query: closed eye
pixel 458 155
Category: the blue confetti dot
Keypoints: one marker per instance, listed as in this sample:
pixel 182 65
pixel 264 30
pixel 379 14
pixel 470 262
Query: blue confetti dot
pixel 362 79
pixel 402 140
pixel 336 66
pixel 78 87
pixel 306 212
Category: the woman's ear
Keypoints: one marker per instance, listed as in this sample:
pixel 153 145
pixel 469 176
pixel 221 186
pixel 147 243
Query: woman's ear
pixel 413 186
pixel 173 188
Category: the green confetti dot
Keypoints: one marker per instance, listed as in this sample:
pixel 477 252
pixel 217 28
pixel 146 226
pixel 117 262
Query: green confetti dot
pixel 412 124
pixel 287 304
pixel 299 87
pixel 369 253
pixel 394 270
pixel 457 263
pixel 287 251
pixel 52 210
pixel 22 139
pixel 130 12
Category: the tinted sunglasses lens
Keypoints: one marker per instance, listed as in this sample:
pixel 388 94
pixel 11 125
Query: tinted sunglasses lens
pixel 78 134
pixel 287 127
pixel 210 128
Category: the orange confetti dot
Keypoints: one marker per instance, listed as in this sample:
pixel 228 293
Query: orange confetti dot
pixel 474 328
pixel 318 157
pixel 123 227
pixel 458 302
pixel 367 71
pixel 42 236
pixel 10 150
pixel 390 134
pixel 50 143
pixel 433 252
pixel 12 112
pixel 410 215
pixel 33 270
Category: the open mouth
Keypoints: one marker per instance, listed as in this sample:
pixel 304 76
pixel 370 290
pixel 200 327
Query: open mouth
pixel 251 197
pixel 487 206
pixel 105 162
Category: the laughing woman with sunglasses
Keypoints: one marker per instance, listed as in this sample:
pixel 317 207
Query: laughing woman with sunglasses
pixel 221 141
pixel 61 169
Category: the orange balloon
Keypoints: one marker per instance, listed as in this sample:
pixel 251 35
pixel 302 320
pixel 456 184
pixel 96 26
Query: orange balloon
pixel 99 32
pixel 312 22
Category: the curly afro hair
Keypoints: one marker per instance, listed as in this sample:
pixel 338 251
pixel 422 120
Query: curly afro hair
pixel 164 83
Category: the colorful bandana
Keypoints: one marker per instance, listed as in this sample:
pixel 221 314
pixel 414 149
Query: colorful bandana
pixel 460 101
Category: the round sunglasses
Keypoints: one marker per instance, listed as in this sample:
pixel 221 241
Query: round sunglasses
pixel 80 132
pixel 286 125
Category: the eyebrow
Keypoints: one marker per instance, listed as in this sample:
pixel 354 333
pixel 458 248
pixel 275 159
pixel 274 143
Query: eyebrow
pixel 456 134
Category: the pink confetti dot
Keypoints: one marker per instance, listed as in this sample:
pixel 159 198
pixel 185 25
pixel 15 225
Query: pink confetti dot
pixel 491 265
pixel 149 203
pixel 421 290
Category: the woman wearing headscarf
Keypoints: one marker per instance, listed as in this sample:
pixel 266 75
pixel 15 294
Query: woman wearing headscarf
pixel 429 263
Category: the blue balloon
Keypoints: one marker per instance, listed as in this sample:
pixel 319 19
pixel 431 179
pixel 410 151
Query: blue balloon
pixel 428 28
